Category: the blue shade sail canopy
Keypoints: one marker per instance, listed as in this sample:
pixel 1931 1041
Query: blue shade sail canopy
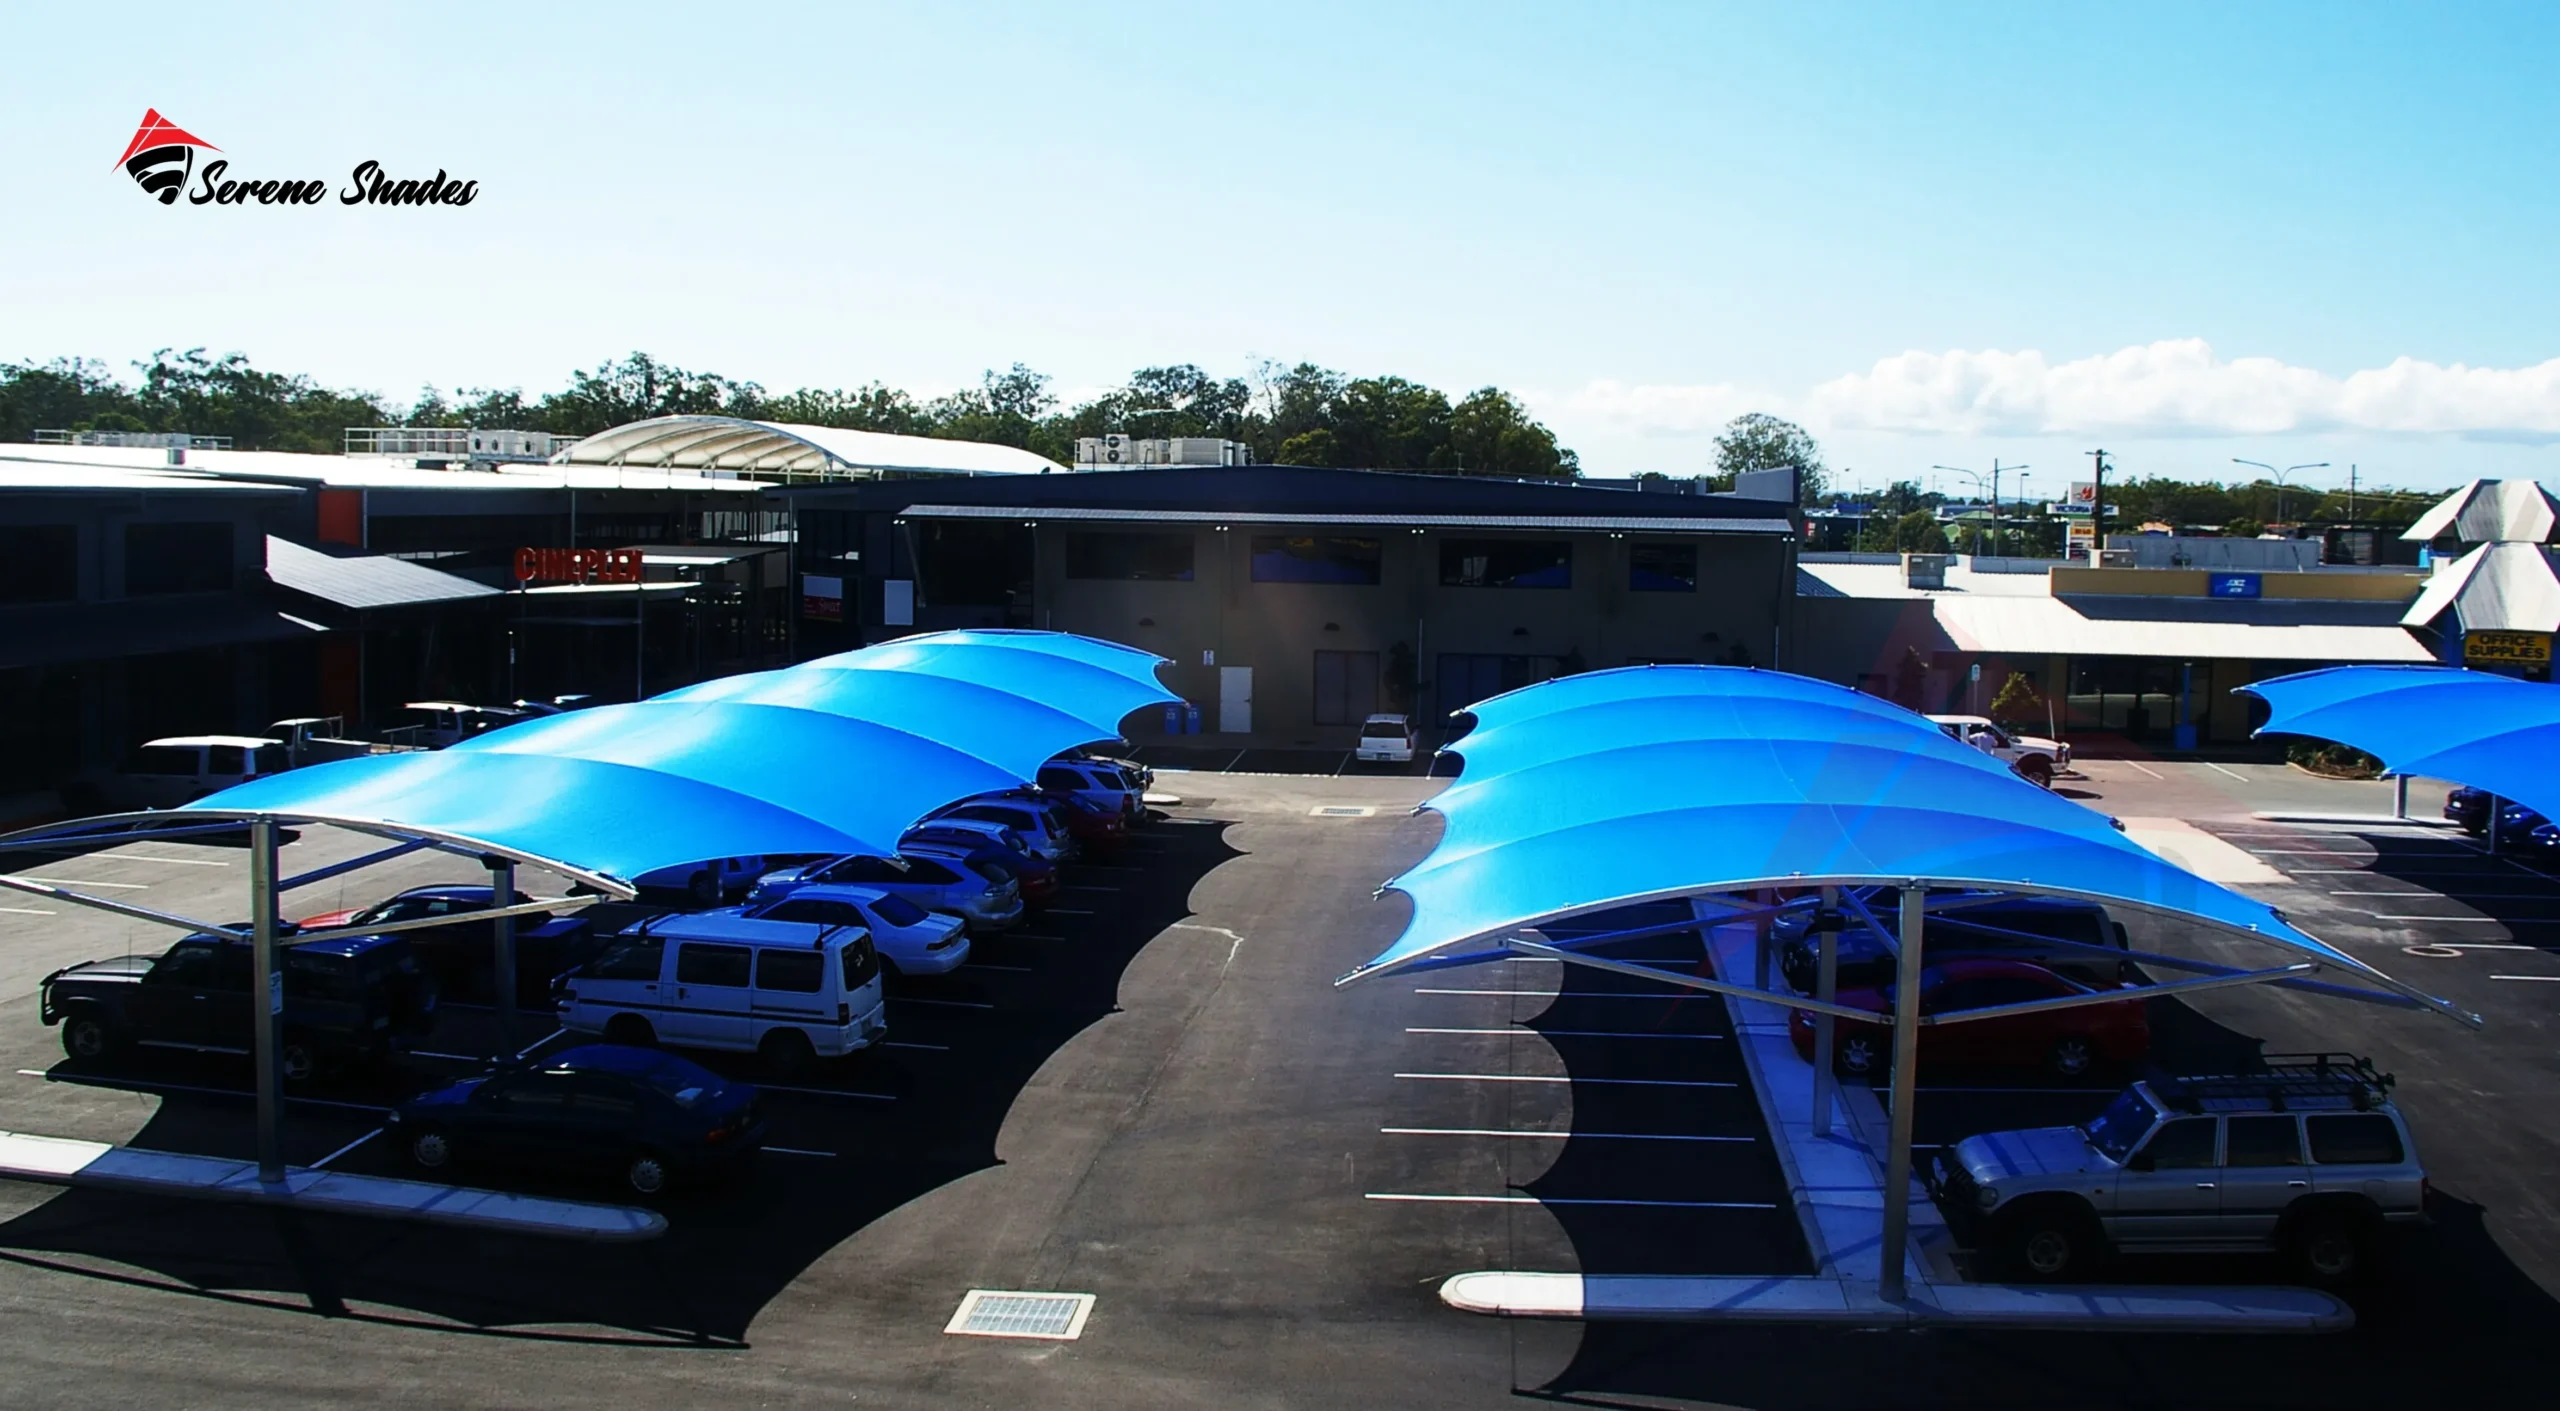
pixel 2490 732
pixel 841 754
pixel 1610 788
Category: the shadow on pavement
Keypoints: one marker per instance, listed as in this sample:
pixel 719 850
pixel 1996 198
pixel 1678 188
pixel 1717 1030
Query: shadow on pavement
pixel 729 1250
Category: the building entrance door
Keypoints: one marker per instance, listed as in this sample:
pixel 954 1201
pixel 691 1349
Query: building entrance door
pixel 1235 700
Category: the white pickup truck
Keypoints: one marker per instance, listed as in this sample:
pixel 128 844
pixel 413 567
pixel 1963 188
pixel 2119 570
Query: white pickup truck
pixel 2035 758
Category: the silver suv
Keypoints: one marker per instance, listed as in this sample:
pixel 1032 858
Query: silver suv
pixel 2309 1157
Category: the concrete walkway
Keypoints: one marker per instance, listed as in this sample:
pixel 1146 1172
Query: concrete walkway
pixel 1835 1179
pixel 102 1166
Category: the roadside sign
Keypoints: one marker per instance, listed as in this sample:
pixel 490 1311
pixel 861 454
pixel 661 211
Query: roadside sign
pixel 822 597
pixel 2507 648
pixel 2234 585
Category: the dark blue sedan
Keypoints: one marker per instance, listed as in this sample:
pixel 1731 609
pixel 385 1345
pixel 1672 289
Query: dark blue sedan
pixel 648 1117
pixel 2516 826
pixel 2468 807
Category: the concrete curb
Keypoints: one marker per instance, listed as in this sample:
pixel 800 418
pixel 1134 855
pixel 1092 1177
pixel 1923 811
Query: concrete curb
pixel 63 1161
pixel 1658 1298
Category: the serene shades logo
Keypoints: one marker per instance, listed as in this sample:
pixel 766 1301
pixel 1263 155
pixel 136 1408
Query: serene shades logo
pixel 161 159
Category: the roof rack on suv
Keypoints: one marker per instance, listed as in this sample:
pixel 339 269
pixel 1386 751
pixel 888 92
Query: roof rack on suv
pixel 2290 1081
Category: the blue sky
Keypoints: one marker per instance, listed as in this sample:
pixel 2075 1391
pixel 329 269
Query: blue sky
pixel 1934 233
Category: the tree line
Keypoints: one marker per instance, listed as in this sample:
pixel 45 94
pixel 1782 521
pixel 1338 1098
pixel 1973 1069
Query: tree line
pixel 1299 414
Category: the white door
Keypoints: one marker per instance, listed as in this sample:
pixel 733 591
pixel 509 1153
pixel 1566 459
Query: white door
pixel 1235 700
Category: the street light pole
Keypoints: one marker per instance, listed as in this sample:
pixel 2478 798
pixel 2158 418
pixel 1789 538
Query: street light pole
pixel 1976 475
pixel 2280 475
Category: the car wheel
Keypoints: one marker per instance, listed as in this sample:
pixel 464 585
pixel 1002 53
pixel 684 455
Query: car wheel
pixel 87 1039
pixel 431 1149
pixel 297 1062
pixel 2328 1248
pixel 2051 1242
pixel 704 888
pixel 646 1175
pixel 631 1031
pixel 1857 1055
pixel 2037 771
pixel 786 1052
pixel 2072 1056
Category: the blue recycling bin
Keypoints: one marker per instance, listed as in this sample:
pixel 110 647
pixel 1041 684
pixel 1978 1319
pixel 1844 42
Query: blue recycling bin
pixel 1173 718
pixel 1195 717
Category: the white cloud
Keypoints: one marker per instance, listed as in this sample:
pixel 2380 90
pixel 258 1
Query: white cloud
pixel 2178 387
pixel 1651 409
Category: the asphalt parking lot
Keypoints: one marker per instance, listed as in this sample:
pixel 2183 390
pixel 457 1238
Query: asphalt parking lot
pixel 1154 1095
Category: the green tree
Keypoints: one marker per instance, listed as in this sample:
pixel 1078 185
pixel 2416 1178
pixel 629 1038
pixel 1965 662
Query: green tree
pixel 868 408
pixel 1313 447
pixel 2018 702
pixel 1490 433
pixel 1759 441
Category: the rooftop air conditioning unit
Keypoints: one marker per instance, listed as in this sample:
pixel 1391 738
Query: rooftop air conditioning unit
pixel 1925 570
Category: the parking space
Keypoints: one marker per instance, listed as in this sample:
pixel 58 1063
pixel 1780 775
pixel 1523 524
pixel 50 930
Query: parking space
pixel 1152 1094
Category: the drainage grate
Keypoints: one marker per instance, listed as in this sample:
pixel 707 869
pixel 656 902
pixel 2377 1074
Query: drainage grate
pixel 995 1313
pixel 1335 810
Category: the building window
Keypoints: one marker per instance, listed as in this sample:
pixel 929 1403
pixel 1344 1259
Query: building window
pixel 1662 568
pixel 176 558
pixel 1145 558
pixel 1299 558
pixel 1506 563
pixel 974 563
pixel 1346 687
pixel 40 563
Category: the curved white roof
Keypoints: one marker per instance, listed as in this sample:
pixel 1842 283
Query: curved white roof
pixel 2491 511
pixel 739 446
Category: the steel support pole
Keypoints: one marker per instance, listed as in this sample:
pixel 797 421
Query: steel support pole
pixel 2400 796
pixel 1826 988
pixel 266 998
pixel 502 893
pixel 1906 1070
pixel 1760 953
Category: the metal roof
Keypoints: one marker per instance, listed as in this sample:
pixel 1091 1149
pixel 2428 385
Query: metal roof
pixel 364 580
pixel 739 446
pixel 2166 627
pixel 1638 524
pixel 2495 587
pixel 142 627
pixel 2488 511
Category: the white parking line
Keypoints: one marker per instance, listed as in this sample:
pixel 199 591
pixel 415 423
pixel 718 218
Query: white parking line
pixel 2146 771
pixel 25 911
pixel 797 1151
pixel 1557 994
pixel 152 857
pixel 2449 920
pixel 332 1156
pixel 829 1092
pixel 1534 1200
pixel 2218 769
pixel 943 1003
pixel 1553 1136
pixel 81 882
pixel 1568 1033
pixel 1559 1078
pixel 119 1083
pixel 2545 979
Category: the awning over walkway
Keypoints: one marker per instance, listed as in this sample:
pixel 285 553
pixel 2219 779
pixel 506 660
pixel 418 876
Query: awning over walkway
pixel 841 754
pixel 364 580
pixel 2491 732
pixel 1597 791
pixel 2197 630
pixel 718 444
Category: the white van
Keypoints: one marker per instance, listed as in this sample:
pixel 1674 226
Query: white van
pixel 788 990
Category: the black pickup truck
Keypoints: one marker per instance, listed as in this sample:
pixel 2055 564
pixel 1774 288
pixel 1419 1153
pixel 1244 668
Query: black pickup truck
pixel 357 999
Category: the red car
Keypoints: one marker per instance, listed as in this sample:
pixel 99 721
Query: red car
pixel 2064 1042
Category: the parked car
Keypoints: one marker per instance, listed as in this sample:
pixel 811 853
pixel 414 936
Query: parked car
pixel 984 845
pixel 1029 820
pixel 2516 825
pixel 178 769
pixel 2309 1157
pixel 1098 830
pixel 354 1000
pixel 1099 783
pixel 442 723
pixel 2468 807
pixel 2008 928
pixel 462 957
pixel 710 882
pixel 983 898
pixel 2034 757
pixel 789 991
pixel 910 939
pixel 651 1118
pixel 1386 739
pixel 2068 1043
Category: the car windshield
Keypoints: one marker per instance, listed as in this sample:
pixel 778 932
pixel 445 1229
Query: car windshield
pixel 2117 1130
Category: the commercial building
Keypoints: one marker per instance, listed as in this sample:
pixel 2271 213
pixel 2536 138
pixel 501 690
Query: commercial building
pixel 1294 601
pixel 2494 601
pixel 2149 654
